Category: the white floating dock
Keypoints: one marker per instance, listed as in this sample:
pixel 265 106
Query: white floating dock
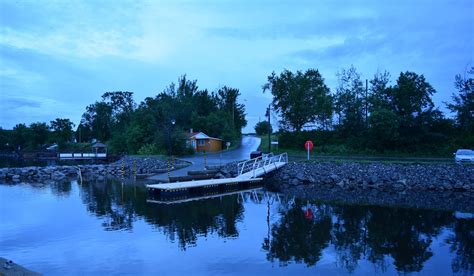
pixel 199 183
pixel 248 171
pixel 201 197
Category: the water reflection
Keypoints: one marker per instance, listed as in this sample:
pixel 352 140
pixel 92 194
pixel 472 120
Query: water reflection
pixel 462 243
pixel 370 233
pixel 298 231
pixel 61 189
pixel 119 205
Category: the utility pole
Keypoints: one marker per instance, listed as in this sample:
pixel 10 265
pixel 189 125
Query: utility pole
pixel 269 129
pixel 366 104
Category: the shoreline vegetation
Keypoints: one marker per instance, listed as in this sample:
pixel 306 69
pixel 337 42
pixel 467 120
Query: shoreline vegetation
pixel 158 125
pixel 379 140
pixel 430 185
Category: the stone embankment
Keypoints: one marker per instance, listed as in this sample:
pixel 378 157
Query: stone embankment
pixel 384 177
pixel 127 167
pixel 427 185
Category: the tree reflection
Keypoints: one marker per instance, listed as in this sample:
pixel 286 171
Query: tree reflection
pixel 189 220
pixel 462 243
pixel 299 239
pixel 119 205
pixel 106 201
pixel 383 236
pixel 349 235
pixel 61 188
pixel 404 234
pixel 372 233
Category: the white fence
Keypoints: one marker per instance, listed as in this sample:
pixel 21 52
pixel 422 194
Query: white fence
pixel 82 155
pixel 261 162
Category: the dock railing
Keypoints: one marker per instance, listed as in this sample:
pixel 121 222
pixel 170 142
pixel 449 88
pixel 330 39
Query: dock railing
pixel 260 162
pixel 82 155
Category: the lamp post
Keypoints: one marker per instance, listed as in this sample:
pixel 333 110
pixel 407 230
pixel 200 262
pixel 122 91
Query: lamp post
pixel 268 113
pixel 173 122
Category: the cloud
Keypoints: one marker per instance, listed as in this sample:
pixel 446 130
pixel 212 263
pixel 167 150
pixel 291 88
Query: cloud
pixel 69 53
pixel 15 103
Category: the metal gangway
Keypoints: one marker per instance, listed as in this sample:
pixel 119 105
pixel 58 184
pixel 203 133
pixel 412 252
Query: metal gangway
pixel 261 165
pixel 247 171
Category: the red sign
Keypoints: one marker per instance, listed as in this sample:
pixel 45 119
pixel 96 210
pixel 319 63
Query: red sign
pixel 308 214
pixel 308 145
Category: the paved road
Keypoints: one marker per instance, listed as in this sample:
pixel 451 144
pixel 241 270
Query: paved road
pixel 248 144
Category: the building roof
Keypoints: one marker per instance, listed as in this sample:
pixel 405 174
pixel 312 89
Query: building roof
pixel 191 134
pixel 201 135
pixel 98 145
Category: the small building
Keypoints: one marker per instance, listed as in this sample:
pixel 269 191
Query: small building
pixel 99 152
pixel 99 149
pixel 204 143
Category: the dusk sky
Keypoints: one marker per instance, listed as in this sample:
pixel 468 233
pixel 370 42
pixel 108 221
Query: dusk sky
pixel 57 57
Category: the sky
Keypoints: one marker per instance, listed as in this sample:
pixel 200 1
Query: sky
pixel 57 57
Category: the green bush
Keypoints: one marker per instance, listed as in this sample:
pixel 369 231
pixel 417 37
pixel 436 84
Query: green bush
pixel 189 150
pixel 148 149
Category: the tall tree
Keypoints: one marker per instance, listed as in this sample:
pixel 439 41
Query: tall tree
pixel 62 130
pixel 411 96
pixel 263 127
pixel 379 97
pixel 98 119
pixel 122 105
pixel 20 136
pixel 411 102
pixel 463 104
pixel 383 130
pixel 5 139
pixel 300 98
pixel 39 134
pixel 350 102
pixel 227 101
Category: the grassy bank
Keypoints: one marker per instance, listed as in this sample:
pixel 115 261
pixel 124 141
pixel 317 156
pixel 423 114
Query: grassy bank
pixel 338 153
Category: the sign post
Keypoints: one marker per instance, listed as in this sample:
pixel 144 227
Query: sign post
pixel 308 146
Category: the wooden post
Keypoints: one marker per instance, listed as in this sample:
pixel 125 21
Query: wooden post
pixel 79 173
pixel 123 168
pixel 135 169
pixel 169 169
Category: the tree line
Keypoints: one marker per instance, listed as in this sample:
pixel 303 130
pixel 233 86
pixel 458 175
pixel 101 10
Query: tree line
pixel 154 126
pixel 373 116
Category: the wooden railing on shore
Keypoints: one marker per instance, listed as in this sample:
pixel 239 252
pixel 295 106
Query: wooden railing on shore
pixel 82 155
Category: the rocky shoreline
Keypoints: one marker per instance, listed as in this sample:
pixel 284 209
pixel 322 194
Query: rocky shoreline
pixel 413 185
pixel 126 167
pixel 438 186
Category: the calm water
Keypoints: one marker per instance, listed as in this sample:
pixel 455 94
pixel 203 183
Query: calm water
pixel 9 162
pixel 111 229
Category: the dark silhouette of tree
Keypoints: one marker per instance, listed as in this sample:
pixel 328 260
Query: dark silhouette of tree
pixel 404 234
pixel 40 134
pixel 350 102
pixel 262 128
pixel 463 106
pixel 119 205
pixel 300 98
pixel 20 136
pixel 462 244
pixel 349 235
pixel 298 239
pixel 62 131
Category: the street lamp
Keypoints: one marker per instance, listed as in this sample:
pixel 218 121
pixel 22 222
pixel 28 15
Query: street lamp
pixel 173 122
pixel 268 113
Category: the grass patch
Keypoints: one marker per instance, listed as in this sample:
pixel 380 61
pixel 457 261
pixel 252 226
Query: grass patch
pixel 343 153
